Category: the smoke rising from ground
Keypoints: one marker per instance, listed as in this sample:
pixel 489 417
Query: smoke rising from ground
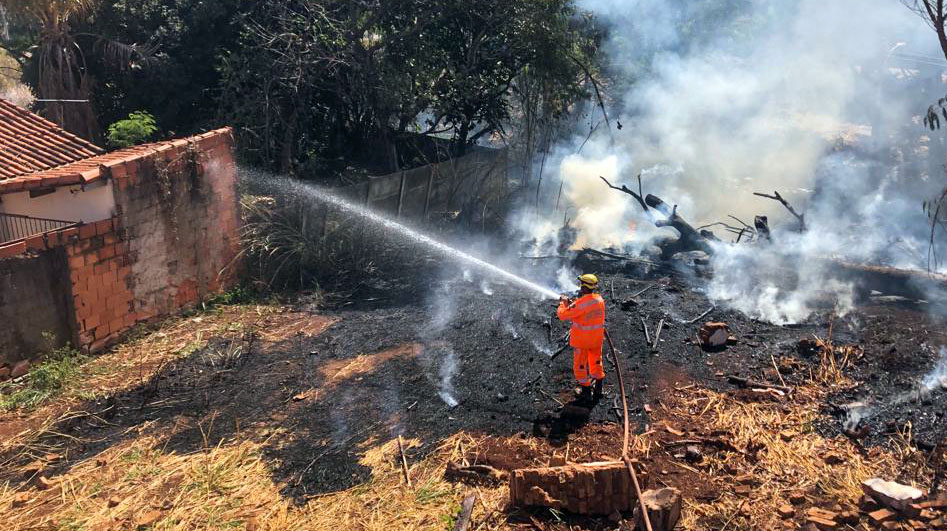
pixel 812 99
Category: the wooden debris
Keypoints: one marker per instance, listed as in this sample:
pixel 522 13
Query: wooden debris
pixel 404 462
pixel 713 335
pixel 786 511
pixel 664 508
pixel 797 498
pixel 466 509
pixel 474 473
pixel 657 335
pixel 747 382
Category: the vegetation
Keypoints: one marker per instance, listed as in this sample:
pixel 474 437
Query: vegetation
pixel 136 129
pixel 382 85
pixel 59 369
pixel 294 246
pixel 355 78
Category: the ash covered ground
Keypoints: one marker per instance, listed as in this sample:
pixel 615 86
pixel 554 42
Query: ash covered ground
pixel 427 359
pixel 487 346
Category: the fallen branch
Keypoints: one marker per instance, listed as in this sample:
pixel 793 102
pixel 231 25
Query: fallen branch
pixel 624 450
pixel 466 509
pixel 647 336
pixel 657 334
pixel 642 292
pixel 776 197
pixel 549 396
pixel 404 462
pixel 746 382
pixel 701 316
pixel 619 257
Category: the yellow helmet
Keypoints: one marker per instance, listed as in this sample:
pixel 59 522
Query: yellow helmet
pixel 588 281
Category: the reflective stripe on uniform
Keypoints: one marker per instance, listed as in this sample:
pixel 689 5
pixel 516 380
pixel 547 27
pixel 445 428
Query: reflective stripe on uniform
pixel 588 327
pixel 586 304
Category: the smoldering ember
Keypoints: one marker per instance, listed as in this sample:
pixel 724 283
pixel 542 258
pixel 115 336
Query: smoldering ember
pixel 493 265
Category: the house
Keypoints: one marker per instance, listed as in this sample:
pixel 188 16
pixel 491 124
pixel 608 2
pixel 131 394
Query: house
pixel 93 242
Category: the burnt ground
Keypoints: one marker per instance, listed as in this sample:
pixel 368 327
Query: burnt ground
pixel 318 387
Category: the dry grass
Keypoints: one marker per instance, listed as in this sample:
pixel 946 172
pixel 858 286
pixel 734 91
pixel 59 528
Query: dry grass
pixel 792 457
pixel 230 487
pixel 139 481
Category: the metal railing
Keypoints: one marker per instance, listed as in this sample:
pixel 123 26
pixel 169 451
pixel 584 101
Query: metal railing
pixel 14 227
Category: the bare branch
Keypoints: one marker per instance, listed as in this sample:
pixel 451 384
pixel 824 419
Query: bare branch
pixel 776 197
pixel 638 197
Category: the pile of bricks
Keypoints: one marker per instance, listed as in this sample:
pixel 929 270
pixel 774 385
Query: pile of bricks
pixel 876 510
pixel 921 516
pixel 601 488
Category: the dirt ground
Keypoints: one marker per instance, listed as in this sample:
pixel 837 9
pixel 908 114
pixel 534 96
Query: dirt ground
pixel 305 404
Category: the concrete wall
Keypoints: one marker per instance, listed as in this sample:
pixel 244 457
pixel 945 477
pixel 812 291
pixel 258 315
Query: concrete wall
pixel 169 245
pixel 34 299
pixel 68 203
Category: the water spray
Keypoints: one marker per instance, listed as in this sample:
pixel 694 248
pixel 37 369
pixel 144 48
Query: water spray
pixel 393 226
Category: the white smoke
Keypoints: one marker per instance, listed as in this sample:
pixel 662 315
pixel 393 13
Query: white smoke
pixel 438 355
pixel 937 378
pixel 727 98
pixel 932 382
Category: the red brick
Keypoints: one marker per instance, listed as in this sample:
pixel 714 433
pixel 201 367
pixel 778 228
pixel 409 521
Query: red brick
pixel 70 233
pixel 76 262
pixel 103 227
pixel 86 231
pixel 116 325
pixel 12 250
pixel 118 171
pixel 91 322
pixel 106 252
pixel 100 269
pixel 54 239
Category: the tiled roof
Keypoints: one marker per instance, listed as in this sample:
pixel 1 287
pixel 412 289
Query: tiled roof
pixel 90 169
pixel 30 143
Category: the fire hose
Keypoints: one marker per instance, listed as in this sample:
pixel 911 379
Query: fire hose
pixel 624 450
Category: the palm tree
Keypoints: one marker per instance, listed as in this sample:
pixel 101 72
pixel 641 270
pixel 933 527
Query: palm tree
pixel 62 75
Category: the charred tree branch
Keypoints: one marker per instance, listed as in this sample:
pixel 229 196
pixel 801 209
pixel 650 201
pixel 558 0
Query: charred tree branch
pixel 638 197
pixel 776 197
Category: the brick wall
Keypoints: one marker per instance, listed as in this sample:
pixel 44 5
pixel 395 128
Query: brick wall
pixel 172 243
pixel 99 273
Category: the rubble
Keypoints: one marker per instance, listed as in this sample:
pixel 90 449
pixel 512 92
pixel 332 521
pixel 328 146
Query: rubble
pixel 713 335
pixel 598 488
pixel 892 495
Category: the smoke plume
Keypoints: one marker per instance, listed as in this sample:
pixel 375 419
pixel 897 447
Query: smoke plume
pixel 817 100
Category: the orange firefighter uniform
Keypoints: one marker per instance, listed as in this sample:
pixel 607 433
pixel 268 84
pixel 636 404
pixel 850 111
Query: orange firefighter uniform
pixel 587 314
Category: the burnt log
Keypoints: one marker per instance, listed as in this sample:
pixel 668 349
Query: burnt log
pixel 690 238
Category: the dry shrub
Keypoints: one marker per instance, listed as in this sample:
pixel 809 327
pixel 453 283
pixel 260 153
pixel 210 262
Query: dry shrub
pixel 293 244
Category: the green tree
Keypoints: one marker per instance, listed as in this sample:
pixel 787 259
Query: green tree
pixel 366 79
pixel 138 128
pixel 60 67
pixel 180 81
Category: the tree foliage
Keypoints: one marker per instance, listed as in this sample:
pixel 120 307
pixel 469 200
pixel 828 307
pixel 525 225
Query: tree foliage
pixel 354 78
pixel 313 84
pixel 136 129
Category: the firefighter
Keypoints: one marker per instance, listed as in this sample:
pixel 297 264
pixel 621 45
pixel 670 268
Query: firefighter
pixel 587 314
